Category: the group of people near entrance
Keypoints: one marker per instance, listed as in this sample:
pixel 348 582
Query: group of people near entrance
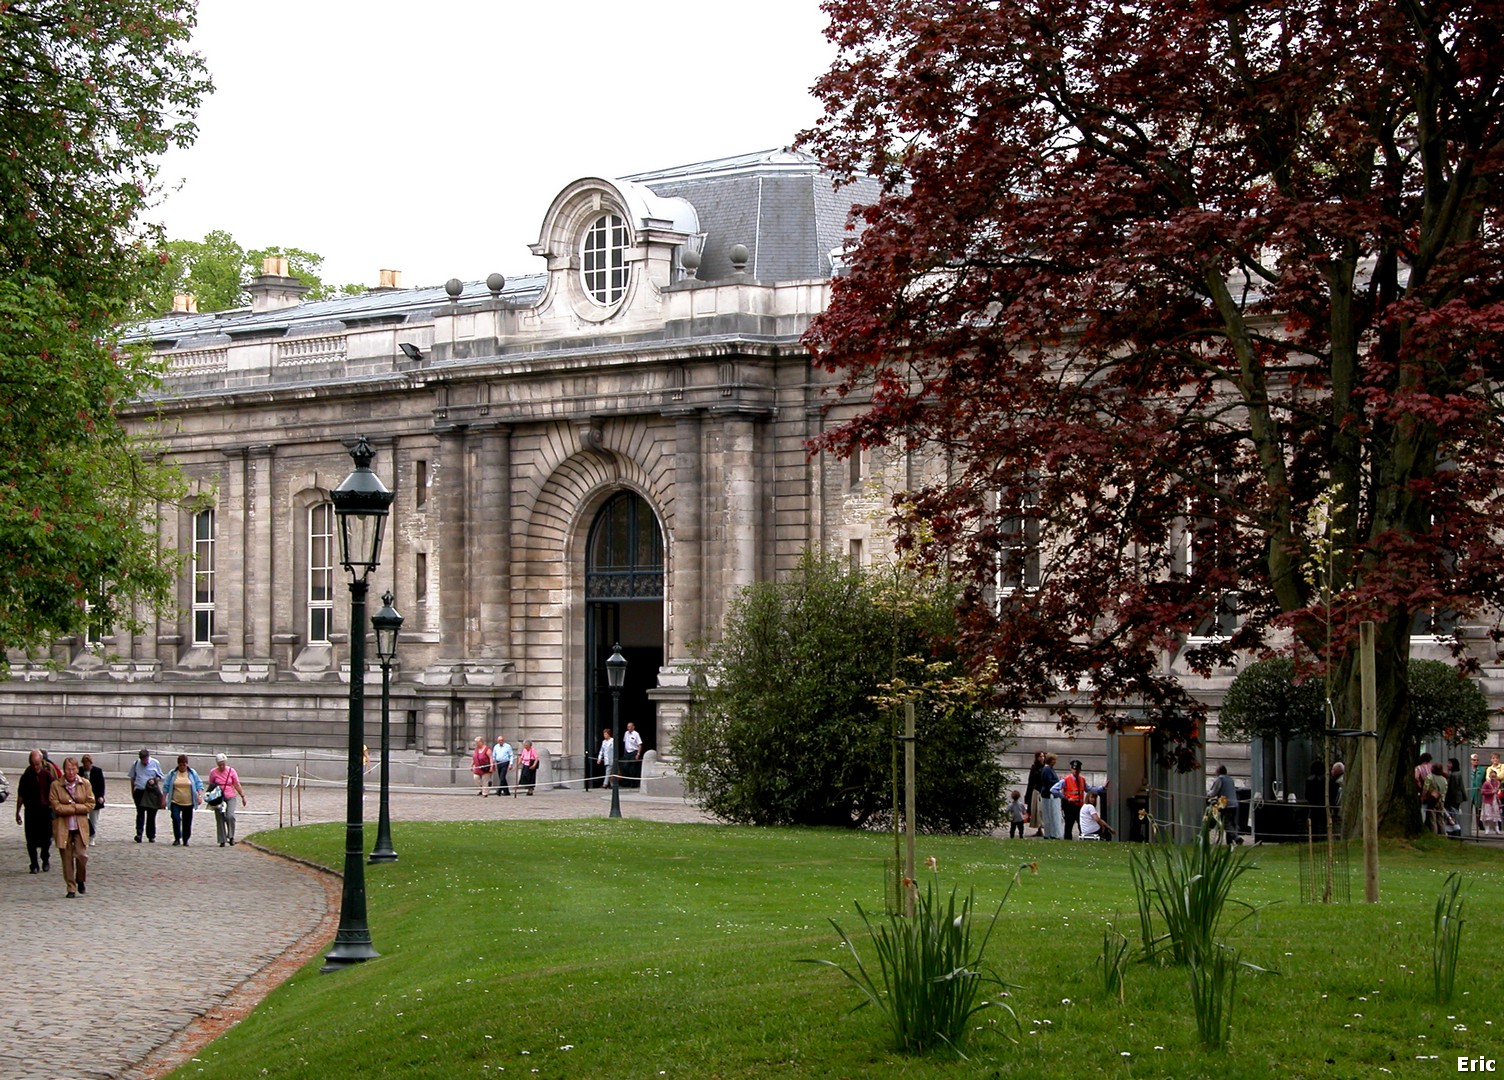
pixel 1444 788
pixel 1058 806
pixel 60 806
pixel 491 765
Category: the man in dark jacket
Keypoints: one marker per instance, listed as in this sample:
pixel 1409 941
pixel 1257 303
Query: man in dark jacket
pixel 32 795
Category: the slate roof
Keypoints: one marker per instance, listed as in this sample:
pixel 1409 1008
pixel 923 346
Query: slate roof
pixel 336 313
pixel 779 203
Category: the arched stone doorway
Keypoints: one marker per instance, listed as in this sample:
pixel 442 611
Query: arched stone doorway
pixel 624 583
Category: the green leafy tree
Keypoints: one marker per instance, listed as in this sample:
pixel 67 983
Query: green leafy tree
pixel 94 91
pixel 212 269
pixel 1266 702
pixel 1445 701
pixel 307 267
pixel 1165 274
pixel 790 727
pixel 216 270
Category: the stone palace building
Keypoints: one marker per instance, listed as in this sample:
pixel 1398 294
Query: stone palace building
pixel 604 451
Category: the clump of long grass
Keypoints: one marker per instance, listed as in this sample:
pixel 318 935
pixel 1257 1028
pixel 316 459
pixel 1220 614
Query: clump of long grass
pixel 1446 938
pixel 929 976
pixel 1189 886
pixel 1113 962
pixel 1214 981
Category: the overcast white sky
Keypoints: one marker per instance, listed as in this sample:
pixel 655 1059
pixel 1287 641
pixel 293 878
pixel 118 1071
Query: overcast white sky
pixel 430 138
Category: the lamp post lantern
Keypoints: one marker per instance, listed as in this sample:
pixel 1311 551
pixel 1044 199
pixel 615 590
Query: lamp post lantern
pixel 387 622
pixel 616 675
pixel 361 504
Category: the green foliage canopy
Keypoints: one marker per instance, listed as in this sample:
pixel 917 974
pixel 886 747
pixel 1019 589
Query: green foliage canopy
pixel 1445 701
pixel 786 729
pixel 216 270
pixel 94 91
pixel 1266 701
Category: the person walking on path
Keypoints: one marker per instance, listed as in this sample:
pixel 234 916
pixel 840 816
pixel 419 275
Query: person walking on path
pixel 502 757
pixel 1224 797
pixel 95 775
pixel 1475 791
pixel 224 777
pixel 1033 793
pixel 185 792
pixel 480 765
pixel 527 767
pixel 72 799
pixel 606 757
pixel 148 782
pixel 1049 801
pixel 1016 817
pixel 631 755
pixel 34 795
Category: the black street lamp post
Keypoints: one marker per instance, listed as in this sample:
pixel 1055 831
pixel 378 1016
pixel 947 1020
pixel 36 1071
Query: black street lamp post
pixel 616 675
pixel 387 622
pixel 361 504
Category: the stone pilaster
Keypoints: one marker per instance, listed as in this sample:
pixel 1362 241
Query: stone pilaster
pixel 686 586
pixel 452 538
pixel 490 543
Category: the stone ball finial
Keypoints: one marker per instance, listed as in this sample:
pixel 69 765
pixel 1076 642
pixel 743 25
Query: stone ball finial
pixel 454 286
pixel 496 283
pixel 690 260
pixel 739 256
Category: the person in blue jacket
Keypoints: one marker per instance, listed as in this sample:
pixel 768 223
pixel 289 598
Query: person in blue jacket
pixel 185 791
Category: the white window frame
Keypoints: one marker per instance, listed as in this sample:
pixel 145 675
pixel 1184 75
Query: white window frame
pixel 1184 555
pixel 203 583
pixel 1024 518
pixel 604 271
pixel 320 571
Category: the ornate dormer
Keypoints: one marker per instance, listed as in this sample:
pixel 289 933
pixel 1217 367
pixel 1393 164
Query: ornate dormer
pixel 612 246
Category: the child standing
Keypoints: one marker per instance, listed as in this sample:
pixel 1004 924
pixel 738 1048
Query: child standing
pixel 1016 816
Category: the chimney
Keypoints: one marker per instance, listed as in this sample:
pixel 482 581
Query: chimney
pixel 390 281
pixel 184 303
pixel 275 288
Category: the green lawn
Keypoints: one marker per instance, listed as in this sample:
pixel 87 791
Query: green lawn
pixel 623 948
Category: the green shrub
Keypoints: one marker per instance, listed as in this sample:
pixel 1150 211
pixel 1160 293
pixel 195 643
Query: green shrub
pixel 788 730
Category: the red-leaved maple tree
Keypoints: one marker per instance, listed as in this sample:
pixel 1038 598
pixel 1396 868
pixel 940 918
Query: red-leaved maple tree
pixel 1199 304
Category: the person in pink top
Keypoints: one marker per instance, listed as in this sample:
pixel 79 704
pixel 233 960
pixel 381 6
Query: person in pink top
pixel 224 777
pixel 527 767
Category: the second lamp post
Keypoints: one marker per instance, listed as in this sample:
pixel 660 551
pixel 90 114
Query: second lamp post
pixel 616 676
pixel 387 622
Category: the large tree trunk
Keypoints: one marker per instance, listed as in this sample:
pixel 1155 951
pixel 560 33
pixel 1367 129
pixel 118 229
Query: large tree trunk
pixel 1399 803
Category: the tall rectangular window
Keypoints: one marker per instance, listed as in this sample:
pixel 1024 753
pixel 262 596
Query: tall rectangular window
pixel 420 576
pixel 203 577
pixel 420 483
pixel 1018 547
pixel 320 573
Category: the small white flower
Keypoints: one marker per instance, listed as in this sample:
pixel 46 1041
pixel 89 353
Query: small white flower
pixel 1065 1001
pixel 1124 1053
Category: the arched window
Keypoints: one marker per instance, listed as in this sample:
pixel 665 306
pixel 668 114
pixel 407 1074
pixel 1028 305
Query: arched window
pixel 603 259
pixel 624 557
